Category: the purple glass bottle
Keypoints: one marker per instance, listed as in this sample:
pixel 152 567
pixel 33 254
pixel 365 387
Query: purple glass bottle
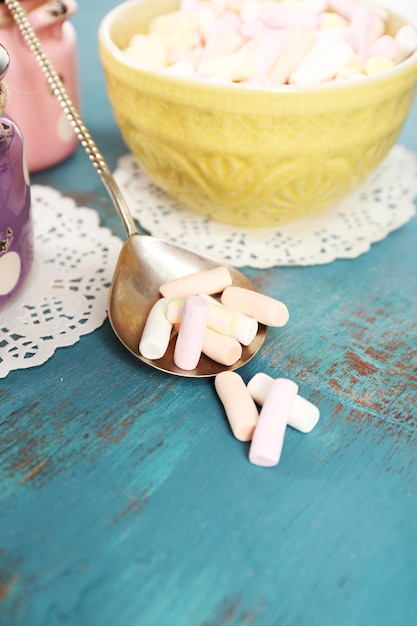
pixel 16 235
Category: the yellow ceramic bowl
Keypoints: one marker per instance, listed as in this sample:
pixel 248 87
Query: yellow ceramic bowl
pixel 252 156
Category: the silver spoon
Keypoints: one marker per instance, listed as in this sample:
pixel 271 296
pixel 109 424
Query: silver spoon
pixel 144 262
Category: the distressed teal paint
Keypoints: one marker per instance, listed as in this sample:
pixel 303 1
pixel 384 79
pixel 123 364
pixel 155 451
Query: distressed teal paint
pixel 125 500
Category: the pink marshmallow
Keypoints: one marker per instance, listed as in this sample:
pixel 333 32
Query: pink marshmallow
pixel 226 43
pixel 345 8
pixel 268 437
pixel 276 15
pixel 384 46
pixel 252 28
pixel 189 344
pixel 265 55
pixel 365 27
pixel 295 47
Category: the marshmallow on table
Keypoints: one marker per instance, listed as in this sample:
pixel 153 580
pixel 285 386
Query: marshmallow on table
pixel 208 282
pixel 264 309
pixel 189 343
pixel 157 332
pixel 240 409
pixel 268 437
pixel 303 415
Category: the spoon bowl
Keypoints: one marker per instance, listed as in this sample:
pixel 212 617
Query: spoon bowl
pixel 145 262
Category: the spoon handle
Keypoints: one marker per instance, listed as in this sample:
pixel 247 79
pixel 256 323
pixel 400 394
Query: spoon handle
pixel 72 114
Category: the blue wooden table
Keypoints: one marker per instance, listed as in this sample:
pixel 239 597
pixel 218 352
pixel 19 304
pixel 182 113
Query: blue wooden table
pixel 145 510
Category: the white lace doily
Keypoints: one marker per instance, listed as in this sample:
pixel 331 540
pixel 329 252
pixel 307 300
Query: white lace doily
pixel 65 294
pixel 383 203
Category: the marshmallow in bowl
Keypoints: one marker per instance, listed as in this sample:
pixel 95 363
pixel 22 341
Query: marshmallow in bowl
pixel 273 43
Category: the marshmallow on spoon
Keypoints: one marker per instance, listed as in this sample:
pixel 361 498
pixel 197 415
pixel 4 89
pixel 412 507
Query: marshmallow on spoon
pixel 220 318
pixel 262 308
pixel 208 282
pixel 190 339
pixel 246 327
pixel 157 332
pixel 223 349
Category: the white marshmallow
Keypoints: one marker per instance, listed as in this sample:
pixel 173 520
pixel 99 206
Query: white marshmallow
pixel 303 415
pixel 246 328
pixel 156 332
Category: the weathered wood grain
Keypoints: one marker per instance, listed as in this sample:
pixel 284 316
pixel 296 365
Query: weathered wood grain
pixel 125 500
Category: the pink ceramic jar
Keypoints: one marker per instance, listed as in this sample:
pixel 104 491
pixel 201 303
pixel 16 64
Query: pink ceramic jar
pixel 48 135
